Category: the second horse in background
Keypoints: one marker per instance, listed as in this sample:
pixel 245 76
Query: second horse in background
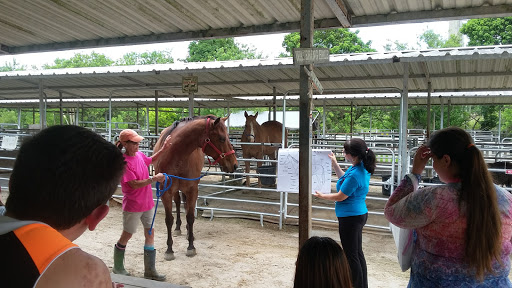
pixel 268 132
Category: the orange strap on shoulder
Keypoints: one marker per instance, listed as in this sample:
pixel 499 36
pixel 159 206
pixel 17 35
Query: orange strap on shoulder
pixel 43 243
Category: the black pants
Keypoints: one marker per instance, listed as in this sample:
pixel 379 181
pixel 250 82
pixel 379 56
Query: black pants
pixel 351 236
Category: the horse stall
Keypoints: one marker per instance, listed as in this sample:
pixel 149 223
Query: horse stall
pixel 221 195
pixel 323 210
pixel 228 195
pixel 224 195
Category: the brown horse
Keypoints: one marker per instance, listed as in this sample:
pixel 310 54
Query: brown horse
pixel 268 132
pixel 191 139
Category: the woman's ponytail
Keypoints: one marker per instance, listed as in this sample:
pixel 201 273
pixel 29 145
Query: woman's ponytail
pixel 357 147
pixel 369 160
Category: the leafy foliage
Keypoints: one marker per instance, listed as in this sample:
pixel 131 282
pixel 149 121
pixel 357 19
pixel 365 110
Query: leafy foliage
pixel 100 60
pixel 488 31
pixel 81 60
pixel 14 66
pixel 506 115
pixel 155 57
pixel 338 41
pixel 397 46
pixel 476 117
pixel 434 40
pixel 490 117
pixel 219 50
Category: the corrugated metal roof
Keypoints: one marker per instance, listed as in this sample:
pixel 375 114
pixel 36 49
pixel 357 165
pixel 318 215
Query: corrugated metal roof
pixel 456 69
pixel 361 100
pixel 46 25
pixel 431 56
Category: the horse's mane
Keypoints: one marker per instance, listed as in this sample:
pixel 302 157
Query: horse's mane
pixel 184 120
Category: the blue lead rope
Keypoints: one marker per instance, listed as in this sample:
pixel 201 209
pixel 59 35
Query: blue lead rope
pixel 166 187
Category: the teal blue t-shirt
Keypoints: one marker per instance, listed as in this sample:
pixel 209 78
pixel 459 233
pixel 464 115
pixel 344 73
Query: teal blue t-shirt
pixel 355 184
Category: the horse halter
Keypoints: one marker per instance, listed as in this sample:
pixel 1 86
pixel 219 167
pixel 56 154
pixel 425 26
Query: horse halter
pixel 208 142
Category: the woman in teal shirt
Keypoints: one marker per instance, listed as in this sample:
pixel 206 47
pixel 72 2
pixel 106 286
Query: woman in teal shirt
pixel 352 188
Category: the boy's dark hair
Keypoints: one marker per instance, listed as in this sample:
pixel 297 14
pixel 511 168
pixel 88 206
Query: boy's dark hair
pixel 357 147
pixel 62 174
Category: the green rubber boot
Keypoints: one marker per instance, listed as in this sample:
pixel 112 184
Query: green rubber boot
pixel 149 266
pixel 119 262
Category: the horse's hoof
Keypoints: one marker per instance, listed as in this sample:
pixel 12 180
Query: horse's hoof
pixel 177 232
pixel 169 256
pixel 191 252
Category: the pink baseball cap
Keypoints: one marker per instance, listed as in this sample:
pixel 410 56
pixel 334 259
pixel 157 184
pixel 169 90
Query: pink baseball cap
pixel 130 135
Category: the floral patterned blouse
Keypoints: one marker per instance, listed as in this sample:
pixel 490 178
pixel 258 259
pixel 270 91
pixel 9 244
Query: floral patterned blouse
pixel 437 259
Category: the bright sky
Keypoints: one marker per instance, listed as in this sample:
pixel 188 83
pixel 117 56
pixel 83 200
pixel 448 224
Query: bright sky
pixel 269 45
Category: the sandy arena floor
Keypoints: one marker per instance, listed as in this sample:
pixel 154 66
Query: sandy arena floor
pixel 235 253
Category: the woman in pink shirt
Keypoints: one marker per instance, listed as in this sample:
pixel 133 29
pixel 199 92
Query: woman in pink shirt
pixel 138 204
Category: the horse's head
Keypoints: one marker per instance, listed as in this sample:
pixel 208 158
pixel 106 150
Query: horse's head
pixel 250 127
pixel 219 147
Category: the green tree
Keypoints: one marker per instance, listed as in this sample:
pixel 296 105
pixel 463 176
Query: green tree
pixel 455 40
pixel 155 57
pixel 81 60
pixel 219 50
pixel 397 46
pixel 488 31
pixel 482 32
pixel 434 40
pixel 506 122
pixel 490 117
pixel 339 41
pixel 14 66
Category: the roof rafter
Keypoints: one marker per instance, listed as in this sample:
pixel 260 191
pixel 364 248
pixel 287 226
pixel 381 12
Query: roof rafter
pixel 159 86
pixel 339 9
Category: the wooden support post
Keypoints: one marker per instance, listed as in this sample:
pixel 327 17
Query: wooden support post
pixel 306 41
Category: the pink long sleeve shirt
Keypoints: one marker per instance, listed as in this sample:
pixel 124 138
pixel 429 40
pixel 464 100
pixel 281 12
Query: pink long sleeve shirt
pixel 141 199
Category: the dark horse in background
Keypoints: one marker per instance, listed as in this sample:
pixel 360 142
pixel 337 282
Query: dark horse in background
pixel 268 132
pixel 191 138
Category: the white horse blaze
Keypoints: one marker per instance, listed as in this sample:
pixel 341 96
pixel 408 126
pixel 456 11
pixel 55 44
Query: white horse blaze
pixel 251 136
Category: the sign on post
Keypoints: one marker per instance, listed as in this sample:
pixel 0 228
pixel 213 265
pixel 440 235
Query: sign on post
pixel 9 142
pixel 316 83
pixel 189 84
pixel 306 56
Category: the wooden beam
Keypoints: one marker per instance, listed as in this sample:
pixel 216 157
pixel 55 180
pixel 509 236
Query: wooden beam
pixel 425 70
pixel 4 50
pixel 252 82
pixel 341 12
pixel 344 19
pixel 306 91
pixel 171 37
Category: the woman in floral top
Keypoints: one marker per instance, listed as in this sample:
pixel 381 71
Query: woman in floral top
pixel 463 227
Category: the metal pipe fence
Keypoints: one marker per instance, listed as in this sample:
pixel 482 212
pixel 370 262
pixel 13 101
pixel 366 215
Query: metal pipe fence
pixel 225 196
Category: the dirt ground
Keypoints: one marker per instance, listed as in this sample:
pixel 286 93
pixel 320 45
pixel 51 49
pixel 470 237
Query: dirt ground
pixel 235 253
